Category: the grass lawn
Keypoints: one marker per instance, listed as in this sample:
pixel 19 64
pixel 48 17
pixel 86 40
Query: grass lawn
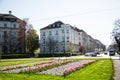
pixel 21 61
pixel 100 70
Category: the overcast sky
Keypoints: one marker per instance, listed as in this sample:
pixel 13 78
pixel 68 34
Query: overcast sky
pixel 96 17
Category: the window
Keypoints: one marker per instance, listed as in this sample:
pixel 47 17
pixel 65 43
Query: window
pixel 12 19
pixel 64 48
pixel 14 26
pixel 56 32
pixel 62 31
pixel 0 37
pixel 67 39
pixel 67 31
pixel 56 40
pixel 63 39
pixel 43 41
pixel 5 33
pixel 58 25
pixel 43 49
pixel 56 49
pixel 5 25
pixel 43 33
pixel 53 25
pixel 14 33
pixel 50 33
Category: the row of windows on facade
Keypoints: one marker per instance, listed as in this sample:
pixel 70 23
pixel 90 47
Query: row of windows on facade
pixel 8 19
pixel 50 32
pixel 56 49
pixel 6 33
pixel 5 25
pixel 12 41
pixel 57 40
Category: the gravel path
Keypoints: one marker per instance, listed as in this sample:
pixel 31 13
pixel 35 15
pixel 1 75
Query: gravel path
pixel 59 70
pixel 116 69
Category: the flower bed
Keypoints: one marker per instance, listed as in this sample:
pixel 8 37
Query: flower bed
pixel 67 69
pixel 73 68
pixel 45 66
pixel 22 65
pixel 38 67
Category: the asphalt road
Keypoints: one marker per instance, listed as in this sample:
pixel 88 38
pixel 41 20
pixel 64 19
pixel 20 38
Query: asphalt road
pixel 98 56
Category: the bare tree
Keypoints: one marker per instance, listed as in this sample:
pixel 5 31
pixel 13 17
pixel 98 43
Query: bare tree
pixel 116 34
pixel 31 38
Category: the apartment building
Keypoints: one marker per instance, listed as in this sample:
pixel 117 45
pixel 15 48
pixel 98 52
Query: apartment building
pixel 99 46
pixel 91 44
pixel 58 37
pixel 10 26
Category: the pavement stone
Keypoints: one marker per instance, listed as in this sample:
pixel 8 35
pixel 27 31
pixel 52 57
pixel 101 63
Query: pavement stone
pixel 116 69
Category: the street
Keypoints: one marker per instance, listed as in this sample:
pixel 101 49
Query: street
pixel 98 56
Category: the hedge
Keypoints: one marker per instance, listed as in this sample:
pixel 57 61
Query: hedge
pixel 55 54
pixel 11 56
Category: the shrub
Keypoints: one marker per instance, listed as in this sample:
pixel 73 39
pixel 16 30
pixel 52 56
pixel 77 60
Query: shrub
pixel 11 56
pixel 60 54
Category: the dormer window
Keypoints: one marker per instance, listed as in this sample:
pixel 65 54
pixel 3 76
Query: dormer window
pixel 53 25
pixel 12 20
pixel 58 25
pixel 50 26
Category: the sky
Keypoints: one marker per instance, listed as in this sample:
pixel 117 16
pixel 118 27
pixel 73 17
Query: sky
pixel 95 17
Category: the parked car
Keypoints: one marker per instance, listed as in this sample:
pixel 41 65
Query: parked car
pixel 88 54
pixel 111 52
pixel 97 52
pixel 93 54
pixel 105 53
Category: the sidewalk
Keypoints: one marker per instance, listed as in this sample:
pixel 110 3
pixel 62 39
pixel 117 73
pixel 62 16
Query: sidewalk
pixel 116 69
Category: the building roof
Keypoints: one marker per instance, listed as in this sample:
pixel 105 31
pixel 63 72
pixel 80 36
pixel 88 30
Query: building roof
pixel 56 24
pixel 9 17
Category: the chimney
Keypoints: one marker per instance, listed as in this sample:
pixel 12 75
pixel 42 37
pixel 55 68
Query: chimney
pixel 10 12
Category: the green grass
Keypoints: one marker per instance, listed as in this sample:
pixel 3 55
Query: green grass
pixel 100 70
pixel 20 61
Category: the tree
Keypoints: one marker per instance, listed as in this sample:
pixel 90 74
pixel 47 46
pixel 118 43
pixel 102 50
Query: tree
pixel 51 45
pixel 21 37
pixel 81 49
pixel 32 41
pixel 116 34
pixel 71 48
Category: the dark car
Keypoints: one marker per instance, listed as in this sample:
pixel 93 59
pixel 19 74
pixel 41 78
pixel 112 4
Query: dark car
pixel 105 53
pixel 111 52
